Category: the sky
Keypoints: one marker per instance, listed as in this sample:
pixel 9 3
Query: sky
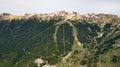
pixel 20 7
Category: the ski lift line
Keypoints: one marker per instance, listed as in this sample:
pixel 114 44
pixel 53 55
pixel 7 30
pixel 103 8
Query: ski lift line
pixel 55 37
pixel 64 38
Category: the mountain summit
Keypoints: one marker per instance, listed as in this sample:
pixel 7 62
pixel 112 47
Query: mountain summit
pixel 61 39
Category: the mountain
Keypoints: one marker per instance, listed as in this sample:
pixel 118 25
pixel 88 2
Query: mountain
pixel 61 39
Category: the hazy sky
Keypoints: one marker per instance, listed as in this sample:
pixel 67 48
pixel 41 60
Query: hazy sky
pixel 19 7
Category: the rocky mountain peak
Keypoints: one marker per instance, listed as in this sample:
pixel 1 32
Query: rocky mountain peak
pixel 5 14
pixel 63 15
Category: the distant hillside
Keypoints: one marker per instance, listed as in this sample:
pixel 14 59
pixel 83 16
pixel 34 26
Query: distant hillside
pixel 62 39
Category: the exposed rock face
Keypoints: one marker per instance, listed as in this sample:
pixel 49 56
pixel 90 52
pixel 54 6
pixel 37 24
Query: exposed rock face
pixel 62 39
pixel 38 61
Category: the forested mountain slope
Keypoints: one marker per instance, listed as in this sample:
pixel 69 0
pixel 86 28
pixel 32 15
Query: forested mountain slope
pixel 62 39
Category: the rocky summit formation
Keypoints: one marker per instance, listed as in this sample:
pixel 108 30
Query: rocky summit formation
pixel 60 39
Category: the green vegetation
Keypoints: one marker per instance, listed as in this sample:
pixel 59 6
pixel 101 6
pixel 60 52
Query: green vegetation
pixel 65 43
